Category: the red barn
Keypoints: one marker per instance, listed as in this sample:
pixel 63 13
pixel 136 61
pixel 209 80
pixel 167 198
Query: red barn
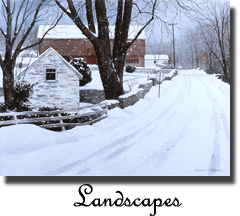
pixel 69 42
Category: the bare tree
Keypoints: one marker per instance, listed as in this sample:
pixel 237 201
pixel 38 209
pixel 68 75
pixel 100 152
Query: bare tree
pixel 111 61
pixel 20 17
pixel 215 29
pixel 131 83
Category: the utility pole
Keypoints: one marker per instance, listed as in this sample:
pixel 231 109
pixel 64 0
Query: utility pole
pixel 174 53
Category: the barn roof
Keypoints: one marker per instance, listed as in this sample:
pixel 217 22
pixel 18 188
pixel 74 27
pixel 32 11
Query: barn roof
pixel 73 32
pixel 54 52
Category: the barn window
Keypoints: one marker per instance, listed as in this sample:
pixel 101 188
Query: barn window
pixel 51 74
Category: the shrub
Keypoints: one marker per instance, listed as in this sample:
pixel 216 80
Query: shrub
pixel 21 93
pixel 130 68
pixel 83 69
pixel 2 107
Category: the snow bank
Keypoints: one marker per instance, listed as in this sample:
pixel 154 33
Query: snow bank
pixel 185 132
pixel 96 82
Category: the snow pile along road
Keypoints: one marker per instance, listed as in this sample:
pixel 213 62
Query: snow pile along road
pixel 186 132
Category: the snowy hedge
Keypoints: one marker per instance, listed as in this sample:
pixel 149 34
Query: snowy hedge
pixel 83 69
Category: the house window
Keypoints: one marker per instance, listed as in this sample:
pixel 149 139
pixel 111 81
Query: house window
pixel 51 75
pixel 137 61
pixel 126 61
pixel 131 61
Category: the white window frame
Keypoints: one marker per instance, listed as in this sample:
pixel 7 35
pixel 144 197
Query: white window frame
pixel 45 75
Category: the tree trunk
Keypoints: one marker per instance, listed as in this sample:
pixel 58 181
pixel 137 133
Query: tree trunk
pixel 8 84
pixel 110 79
pixel 119 67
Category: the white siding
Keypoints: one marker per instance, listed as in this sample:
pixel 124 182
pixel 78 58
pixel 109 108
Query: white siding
pixel 64 93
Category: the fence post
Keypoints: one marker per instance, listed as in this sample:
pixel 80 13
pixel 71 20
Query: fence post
pixel 61 121
pixel 15 119
pixel 160 77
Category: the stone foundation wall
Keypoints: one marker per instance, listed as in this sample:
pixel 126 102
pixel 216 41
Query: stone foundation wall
pixel 92 96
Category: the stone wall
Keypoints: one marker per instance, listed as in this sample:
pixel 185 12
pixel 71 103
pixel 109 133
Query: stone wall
pixel 91 96
pixel 97 96
pixel 62 92
pixel 143 90
pixel 132 99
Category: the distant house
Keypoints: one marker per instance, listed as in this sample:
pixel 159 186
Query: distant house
pixel 70 43
pixel 151 59
pixel 56 82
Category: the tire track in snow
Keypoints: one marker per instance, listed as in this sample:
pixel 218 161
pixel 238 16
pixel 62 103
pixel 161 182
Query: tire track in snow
pixel 225 121
pixel 128 141
pixel 102 151
pixel 216 156
pixel 151 103
pixel 168 112
pixel 165 150
pixel 124 141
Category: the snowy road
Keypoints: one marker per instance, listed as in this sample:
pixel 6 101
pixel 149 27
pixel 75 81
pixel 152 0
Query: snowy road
pixel 184 133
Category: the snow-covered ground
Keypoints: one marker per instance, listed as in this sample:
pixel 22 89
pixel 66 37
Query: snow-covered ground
pixel 96 82
pixel 186 132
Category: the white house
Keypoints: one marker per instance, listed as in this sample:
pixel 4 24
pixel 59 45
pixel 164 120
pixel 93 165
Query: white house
pixel 56 82
pixel 151 59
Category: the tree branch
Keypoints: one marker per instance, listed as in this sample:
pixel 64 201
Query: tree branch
pixel 3 33
pixel 75 18
pixel 90 19
pixel 20 44
pixel 5 6
pixel 118 29
pixel 63 8
pixel 141 30
pixel 40 41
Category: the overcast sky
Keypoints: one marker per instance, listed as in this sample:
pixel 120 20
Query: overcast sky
pixel 159 32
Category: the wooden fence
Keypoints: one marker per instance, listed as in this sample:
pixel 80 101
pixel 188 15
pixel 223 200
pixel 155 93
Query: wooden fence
pixel 59 119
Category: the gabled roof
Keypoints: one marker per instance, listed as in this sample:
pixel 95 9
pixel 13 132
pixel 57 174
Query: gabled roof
pixel 73 32
pixel 54 52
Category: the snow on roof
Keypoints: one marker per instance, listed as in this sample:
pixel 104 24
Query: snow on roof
pixel 53 51
pixel 73 32
pixel 152 56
